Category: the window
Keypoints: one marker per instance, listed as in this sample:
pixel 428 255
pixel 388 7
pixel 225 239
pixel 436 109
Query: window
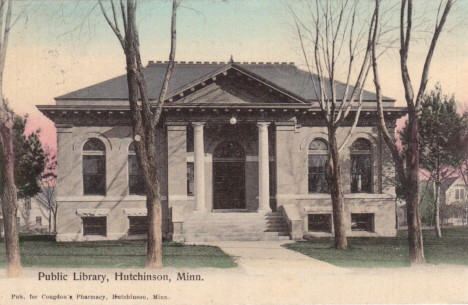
pixel 94 167
pixel 362 222
pixel 361 167
pixel 27 203
pixel 136 181
pixel 138 225
pixel 318 151
pixel 38 221
pixel 320 223
pixel 95 226
pixel 190 179
pixel 459 194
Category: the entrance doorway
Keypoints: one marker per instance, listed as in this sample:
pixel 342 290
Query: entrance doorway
pixel 229 177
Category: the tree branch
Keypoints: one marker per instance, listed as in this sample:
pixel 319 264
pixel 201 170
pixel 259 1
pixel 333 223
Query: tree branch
pixel 113 26
pixel 430 53
pixel 170 66
pixel 383 127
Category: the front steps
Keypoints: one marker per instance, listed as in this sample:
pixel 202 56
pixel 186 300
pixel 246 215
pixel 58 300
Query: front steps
pixel 243 226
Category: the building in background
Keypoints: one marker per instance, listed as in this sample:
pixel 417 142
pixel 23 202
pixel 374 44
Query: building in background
pixel 454 205
pixel 32 216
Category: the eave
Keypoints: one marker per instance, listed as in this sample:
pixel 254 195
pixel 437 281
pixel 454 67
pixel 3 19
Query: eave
pixel 72 113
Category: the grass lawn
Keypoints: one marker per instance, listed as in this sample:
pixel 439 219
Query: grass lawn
pixel 452 248
pixel 115 255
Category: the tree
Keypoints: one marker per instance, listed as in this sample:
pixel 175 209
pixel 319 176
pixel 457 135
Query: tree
pixel 441 131
pixel 144 115
pixel 407 162
pixel 463 168
pixel 325 30
pixel 49 183
pixel 427 202
pixel 30 159
pixel 29 163
pixel 9 195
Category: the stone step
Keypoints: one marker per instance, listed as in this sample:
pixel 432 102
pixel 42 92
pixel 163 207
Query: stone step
pixel 233 219
pixel 227 219
pixel 235 231
pixel 225 224
pixel 208 237
pixel 232 234
pixel 234 215
pixel 234 225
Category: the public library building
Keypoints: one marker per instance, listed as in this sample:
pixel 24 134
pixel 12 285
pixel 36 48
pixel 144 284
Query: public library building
pixel 241 156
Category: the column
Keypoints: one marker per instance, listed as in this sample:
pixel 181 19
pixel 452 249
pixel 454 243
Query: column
pixel 176 163
pixel 263 167
pixel 199 166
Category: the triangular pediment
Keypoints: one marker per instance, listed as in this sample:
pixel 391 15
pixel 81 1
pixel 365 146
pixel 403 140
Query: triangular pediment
pixel 214 94
pixel 232 85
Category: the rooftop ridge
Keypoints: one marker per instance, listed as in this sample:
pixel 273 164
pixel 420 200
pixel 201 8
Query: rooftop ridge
pixel 268 63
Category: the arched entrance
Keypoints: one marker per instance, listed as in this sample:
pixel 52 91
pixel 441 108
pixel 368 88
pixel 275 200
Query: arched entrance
pixel 228 177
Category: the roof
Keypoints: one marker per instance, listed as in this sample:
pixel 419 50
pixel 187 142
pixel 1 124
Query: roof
pixel 445 185
pixel 285 76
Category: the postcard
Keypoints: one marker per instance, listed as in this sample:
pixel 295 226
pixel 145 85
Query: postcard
pixel 233 152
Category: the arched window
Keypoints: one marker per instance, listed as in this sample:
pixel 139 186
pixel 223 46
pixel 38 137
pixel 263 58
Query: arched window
pixel 361 166
pixel 318 151
pixel 136 182
pixel 94 167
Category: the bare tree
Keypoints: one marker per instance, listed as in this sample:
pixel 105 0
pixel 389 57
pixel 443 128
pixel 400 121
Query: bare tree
pixel 25 210
pixel 407 163
pixel 333 34
pixel 9 195
pixel 49 183
pixel 144 114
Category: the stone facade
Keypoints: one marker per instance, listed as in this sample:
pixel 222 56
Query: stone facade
pixel 246 139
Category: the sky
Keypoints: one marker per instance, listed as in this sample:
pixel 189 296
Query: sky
pixel 58 46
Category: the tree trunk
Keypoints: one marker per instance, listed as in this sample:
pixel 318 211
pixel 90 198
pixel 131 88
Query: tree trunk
pixel 397 223
pixel 416 250
pixel 336 191
pixel 144 135
pixel 438 232
pixel 153 245
pixel 27 213
pixel 50 219
pixel 10 203
pixel 54 213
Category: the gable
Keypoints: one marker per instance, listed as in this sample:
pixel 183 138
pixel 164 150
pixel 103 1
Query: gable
pixel 211 94
pixel 223 94
pixel 231 86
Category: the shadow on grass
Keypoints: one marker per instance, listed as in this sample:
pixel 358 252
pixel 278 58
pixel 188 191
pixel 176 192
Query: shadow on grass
pixel 387 252
pixel 116 255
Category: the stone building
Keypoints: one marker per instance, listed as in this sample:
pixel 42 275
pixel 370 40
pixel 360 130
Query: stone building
pixel 241 153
